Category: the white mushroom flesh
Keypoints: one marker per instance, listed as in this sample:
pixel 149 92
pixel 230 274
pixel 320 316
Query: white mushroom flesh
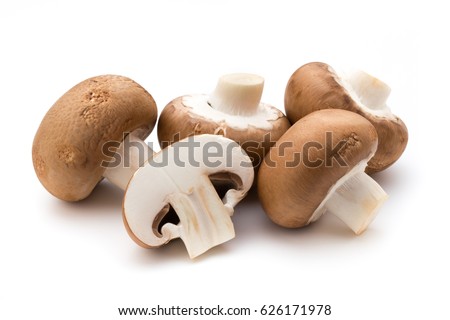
pixel 355 199
pixel 205 219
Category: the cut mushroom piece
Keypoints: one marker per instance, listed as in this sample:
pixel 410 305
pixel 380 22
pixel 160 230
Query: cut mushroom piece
pixel 233 110
pixel 317 166
pixel 83 131
pixel 317 86
pixel 178 176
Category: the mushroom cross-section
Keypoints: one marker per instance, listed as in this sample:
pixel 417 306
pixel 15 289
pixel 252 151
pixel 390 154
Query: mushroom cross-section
pixel 317 166
pixel 178 176
pixel 233 110
pixel 80 138
pixel 316 86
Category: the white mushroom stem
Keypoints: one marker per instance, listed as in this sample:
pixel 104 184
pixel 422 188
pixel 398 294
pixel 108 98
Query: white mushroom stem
pixel 129 156
pixel 369 91
pixel 355 199
pixel 372 92
pixel 204 220
pixel 237 94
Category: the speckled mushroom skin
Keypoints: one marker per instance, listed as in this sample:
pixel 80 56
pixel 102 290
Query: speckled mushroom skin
pixel 178 122
pixel 67 148
pixel 291 183
pixel 314 87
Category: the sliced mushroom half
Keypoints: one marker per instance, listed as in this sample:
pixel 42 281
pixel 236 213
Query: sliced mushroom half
pixel 178 177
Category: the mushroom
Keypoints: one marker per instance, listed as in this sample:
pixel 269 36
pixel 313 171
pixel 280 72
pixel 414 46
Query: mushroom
pixel 82 132
pixel 317 86
pixel 181 174
pixel 233 110
pixel 317 166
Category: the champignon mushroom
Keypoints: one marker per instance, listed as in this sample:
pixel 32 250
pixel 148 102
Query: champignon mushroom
pixel 318 166
pixel 233 110
pixel 79 135
pixel 178 176
pixel 317 86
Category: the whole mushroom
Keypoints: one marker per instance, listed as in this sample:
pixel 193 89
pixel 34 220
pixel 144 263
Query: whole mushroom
pixel 317 166
pixel 233 110
pixel 316 86
pixel 79 141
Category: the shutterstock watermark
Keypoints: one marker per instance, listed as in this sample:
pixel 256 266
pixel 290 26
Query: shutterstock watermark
pixel 191 153
pixel 309 154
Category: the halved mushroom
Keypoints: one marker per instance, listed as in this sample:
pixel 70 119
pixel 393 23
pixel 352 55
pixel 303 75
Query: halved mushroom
pixel 317 86
pixel 233 110
pixel 317 166
pixel 178 176
pixel 80 134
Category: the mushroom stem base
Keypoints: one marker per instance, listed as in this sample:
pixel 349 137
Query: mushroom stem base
pixel 356 201
pixel 371 91
pixel 204 220
pixel 238 94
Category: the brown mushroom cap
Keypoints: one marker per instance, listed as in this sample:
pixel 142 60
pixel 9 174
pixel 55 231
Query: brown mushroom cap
pixel 302 167
pixel 68 146
pixel 316 86
pixel 178 121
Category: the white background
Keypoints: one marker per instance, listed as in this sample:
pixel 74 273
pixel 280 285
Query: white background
pixel 75 261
